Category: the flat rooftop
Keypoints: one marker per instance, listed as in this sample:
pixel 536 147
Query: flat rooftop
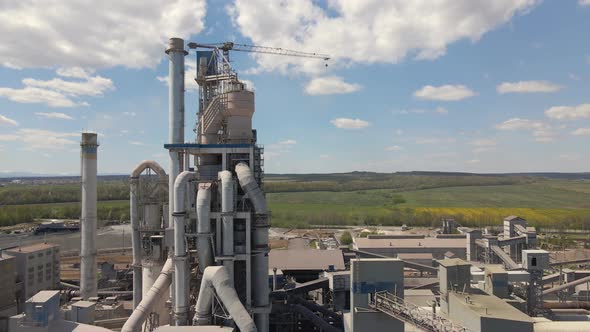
pixel 305 259
pixel 32 248
pixel 485 305
pixel 43 296
pixel 429 242
pixel 415 256
pixel 452 262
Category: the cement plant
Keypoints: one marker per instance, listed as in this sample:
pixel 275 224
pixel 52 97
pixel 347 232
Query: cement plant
pixel 200 256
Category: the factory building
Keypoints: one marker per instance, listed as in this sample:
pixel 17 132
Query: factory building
pixel 37 268
pixel 438 247
pixel 306 264
pixel 8 280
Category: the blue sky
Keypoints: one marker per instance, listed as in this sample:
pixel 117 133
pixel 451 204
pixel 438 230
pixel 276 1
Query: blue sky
pixel 475 86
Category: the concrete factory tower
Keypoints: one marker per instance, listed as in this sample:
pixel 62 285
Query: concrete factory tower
pixel 89 146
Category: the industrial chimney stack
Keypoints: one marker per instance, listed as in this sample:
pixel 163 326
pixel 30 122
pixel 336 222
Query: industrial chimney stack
pixel 88 282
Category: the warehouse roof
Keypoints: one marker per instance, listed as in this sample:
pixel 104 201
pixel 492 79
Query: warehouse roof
pixel 32 248
pixel 424 255
pixel 489 306
pixel 410 243
pixel 305 259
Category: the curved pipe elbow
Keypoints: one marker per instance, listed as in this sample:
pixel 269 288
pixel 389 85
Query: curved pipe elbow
pixel 151 164
pixel 251 188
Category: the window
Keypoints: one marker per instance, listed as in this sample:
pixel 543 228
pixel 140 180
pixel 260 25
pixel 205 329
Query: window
pixel 534 261
pixel 40 254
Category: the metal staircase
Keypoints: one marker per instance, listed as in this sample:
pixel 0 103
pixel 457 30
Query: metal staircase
pixel 214 112
pixel 406 312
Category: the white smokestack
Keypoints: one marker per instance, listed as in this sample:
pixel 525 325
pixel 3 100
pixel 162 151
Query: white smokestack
pixel 88 283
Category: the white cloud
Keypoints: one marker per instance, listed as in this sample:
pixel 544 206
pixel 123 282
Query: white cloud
pixel 130 114
pixel 54 115
pixel 94 34
pixel 527 87
pixel 581 132
pixel 473 161
pixel 346 123
pixel 520 124
pixel 394 148
pixel 330 85
pixel 569 112
pixel 190 71
pixel 584 2
pixel 58 92
pixel 137 143
pixel 441 110
pixel 540 131
pixel 483 149
pixel 40 139
pixel 30 95
pixel 288 142
pixel 435 140
pixel 353 31
pixel 6 121
pixel 484 142
pixel 445 92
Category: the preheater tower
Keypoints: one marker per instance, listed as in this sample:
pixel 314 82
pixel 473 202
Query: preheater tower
pixel 88 283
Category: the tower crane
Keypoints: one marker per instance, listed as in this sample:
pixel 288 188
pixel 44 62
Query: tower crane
pixel 229 46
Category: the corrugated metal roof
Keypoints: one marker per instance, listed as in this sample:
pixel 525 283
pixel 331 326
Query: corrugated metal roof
pixel 415 256
pixel 305 259
pixel 410 243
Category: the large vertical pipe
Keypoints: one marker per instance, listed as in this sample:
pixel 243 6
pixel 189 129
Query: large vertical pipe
pixel 204 251
pixel 227 213
pixel 260 289
pixel 135 240
pixel 88 283
pixel 176 53
pixel 181 273
pixel 134 216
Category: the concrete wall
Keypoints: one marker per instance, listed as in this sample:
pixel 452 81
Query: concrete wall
pixel 37 270
pixel 7 284
pixel 367 276
pixel 437 253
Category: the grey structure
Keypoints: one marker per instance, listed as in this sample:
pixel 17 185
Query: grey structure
pixel 88 267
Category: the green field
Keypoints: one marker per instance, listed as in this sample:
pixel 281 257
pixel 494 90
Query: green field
pixel 352 199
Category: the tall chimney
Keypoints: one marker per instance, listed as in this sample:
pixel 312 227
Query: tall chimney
pixel 176 53
pixel 88 282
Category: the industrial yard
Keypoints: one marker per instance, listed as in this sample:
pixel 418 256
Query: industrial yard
pixel 204 199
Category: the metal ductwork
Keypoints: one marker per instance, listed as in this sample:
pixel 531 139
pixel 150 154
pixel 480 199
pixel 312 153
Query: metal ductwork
pixel 204 244
pixel 259 242
pixel 181 271
pixel 227 210
pixel 143 309
pixel 134 216
pixel 217 278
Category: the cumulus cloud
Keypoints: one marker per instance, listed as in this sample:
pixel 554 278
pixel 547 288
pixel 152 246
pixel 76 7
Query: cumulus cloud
pixel 520 124
pixel 190 71
pixel 569 112
pixel 527 87
pixel 584 2
pixel 484 142
pixel 54 115
pixel 445 92
pixel 373 31
pixel 581 132
pixel 346 123
pixel 540 131
pixel 58 92
pixel 40 139
pixel 394 148
pixel 6 121
pixel 435 140
pixel 94 33
pixel 441 110
pixel 330 85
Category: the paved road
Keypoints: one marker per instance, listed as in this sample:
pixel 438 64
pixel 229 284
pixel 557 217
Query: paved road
pixel 107 237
